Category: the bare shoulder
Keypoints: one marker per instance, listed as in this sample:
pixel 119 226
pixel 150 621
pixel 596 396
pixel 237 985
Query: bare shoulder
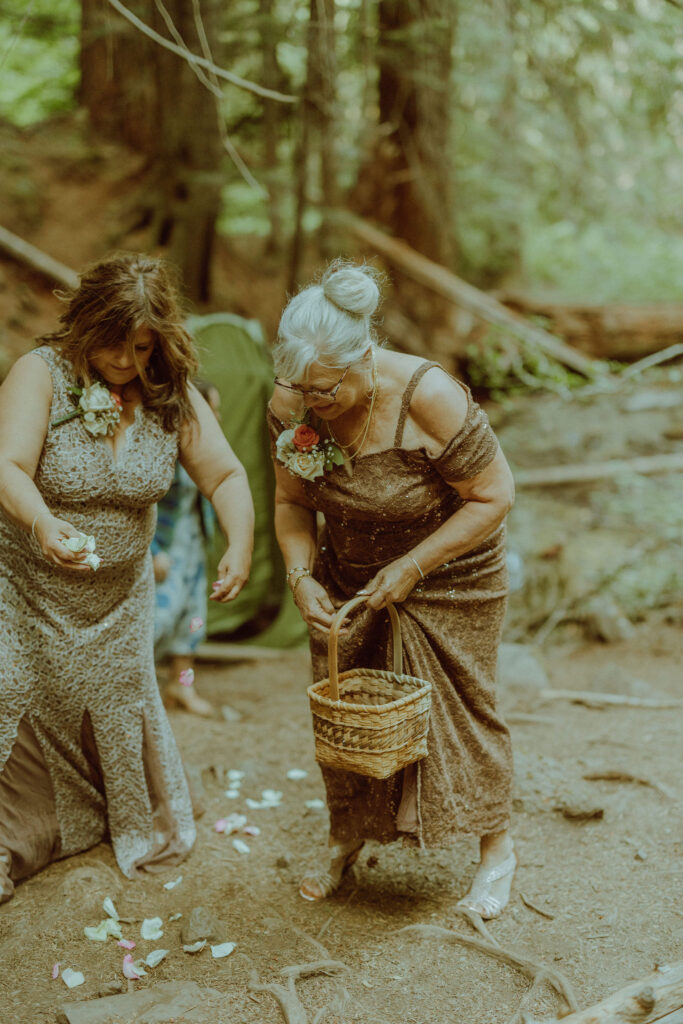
pixel 285 405
pixel 29 375
pixel 438 407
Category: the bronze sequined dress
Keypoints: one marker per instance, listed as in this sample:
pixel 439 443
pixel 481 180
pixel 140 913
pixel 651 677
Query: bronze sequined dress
pixel 451 624
pixel 86 749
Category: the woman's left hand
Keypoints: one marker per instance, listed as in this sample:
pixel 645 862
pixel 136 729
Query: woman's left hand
pixel 392 584
pixel 233 573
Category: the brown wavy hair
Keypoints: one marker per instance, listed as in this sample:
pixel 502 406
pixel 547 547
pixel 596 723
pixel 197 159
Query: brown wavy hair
pixel 116 296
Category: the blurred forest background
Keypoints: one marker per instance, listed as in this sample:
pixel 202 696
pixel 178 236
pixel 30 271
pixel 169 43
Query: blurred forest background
pixel 530 143
pixel 531 150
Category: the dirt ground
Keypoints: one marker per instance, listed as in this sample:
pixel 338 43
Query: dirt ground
pixel 594 897
pixel 604 887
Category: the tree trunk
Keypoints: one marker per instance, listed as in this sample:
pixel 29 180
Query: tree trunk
pixel 407 183
pixel 117 64
pixel 316 150
pixel 271 76
pixel 140 94
pixel 188 155
pixel 323 96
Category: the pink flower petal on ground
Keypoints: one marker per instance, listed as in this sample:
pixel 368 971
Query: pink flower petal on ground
pixel 252 830
pixel 55 970
pixel 126 944
pixel 196 623
pixel 129 968
pixel 186 677
pixel 220 825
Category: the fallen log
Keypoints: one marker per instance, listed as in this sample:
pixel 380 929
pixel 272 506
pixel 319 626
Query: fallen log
pixel 444 283
pixel 553 476
pixel 219 651
pixel 608 331
pixel 591 699
pixel 36 259
pixel 659 997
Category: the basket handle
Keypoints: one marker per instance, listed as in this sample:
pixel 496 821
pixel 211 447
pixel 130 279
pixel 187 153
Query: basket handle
pixel 337 622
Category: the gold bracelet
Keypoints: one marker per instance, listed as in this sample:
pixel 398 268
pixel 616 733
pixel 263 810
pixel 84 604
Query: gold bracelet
pixel 417 565
pixel 297 568
pixel 298 581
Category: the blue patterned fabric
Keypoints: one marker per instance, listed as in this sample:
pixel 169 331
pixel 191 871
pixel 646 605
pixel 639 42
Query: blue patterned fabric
pixel 184 522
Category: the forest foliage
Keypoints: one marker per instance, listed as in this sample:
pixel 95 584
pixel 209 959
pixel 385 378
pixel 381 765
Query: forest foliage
pixel 567 127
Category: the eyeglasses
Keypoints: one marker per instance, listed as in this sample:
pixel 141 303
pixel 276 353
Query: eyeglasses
pixel 329 393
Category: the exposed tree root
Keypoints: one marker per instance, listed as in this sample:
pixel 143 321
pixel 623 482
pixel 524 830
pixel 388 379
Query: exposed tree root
pixel 518 1015
pixel 293 1010
pixel 531 968
pixel 478 924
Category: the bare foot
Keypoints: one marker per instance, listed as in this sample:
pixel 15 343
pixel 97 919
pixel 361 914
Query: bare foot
pixel 186 698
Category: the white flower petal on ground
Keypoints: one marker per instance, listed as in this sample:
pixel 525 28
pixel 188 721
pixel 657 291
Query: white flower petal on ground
pixel 232 794
pixel 235 775
pixel 172 885
pixel 126 944
pixel 175 917
pixel 295 774
pixel 130 970
pixel 241 846
pixel 101 932
pixel 269 798
pixel 55 970
pixel 151 928
pixel 109 908
pixel 234 823
pixel 251 830
pixel 224 949
pixel 72 979
pixel 155 957
pixel 315 805
pixel 196 947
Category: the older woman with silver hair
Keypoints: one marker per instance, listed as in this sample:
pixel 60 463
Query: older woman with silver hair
pixel 414 490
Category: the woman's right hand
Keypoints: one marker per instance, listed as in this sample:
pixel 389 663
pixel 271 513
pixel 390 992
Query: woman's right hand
pixel 51 533
pixel 315 605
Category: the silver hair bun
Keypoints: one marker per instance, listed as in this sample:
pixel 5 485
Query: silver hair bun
pixel 352 288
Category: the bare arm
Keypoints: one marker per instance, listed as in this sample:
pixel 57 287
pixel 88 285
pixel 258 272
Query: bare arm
pixel 220 476
pixel 437 412
pixel 296 532
pixel 25 401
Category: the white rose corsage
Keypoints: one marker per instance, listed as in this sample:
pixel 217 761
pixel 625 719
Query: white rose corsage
pixel 97 406
pixel 301 450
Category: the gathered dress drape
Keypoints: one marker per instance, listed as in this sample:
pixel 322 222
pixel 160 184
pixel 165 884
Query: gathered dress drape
pixel 451 624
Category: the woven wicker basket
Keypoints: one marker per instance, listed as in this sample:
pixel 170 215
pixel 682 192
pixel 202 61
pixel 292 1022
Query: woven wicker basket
pixel 369 721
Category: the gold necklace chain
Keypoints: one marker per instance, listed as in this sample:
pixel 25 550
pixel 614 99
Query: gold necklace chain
pixel 364 430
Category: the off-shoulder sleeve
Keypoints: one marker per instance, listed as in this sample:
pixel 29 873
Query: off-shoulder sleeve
pixel 275 428
pixel 472 449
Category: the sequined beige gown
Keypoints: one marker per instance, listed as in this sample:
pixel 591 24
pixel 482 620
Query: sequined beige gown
pixel 451 624
pixel 86 750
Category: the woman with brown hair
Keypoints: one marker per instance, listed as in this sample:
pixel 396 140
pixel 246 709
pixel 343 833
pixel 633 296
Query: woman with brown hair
pixel 91 425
